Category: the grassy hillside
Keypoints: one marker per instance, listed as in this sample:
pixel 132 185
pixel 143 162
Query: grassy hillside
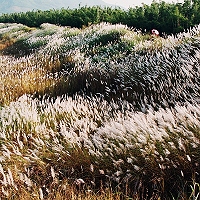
pixel 104 112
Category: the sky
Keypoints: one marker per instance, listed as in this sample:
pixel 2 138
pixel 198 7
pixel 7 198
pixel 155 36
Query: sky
pixel 132 3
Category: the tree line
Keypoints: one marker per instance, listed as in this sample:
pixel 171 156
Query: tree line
pixel 166 17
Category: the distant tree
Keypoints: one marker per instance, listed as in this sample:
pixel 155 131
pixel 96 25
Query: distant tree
pixel 166 17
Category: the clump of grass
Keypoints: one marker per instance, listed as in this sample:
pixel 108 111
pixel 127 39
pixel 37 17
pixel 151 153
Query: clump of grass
pixel 24 75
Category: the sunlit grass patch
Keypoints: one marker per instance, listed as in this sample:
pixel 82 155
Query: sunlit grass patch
pixel 91 140
pixel 24 75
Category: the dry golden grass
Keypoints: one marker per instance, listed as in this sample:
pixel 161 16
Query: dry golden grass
pixel 67 193
pixel 25 77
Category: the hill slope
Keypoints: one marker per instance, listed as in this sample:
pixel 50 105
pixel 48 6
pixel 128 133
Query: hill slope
pixel 82 132
pixel 9 6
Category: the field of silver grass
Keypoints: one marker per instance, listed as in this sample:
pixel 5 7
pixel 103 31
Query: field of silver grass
pixel 101 107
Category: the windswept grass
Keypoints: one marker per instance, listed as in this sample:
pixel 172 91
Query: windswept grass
pixel 103 112
pixel 45 143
